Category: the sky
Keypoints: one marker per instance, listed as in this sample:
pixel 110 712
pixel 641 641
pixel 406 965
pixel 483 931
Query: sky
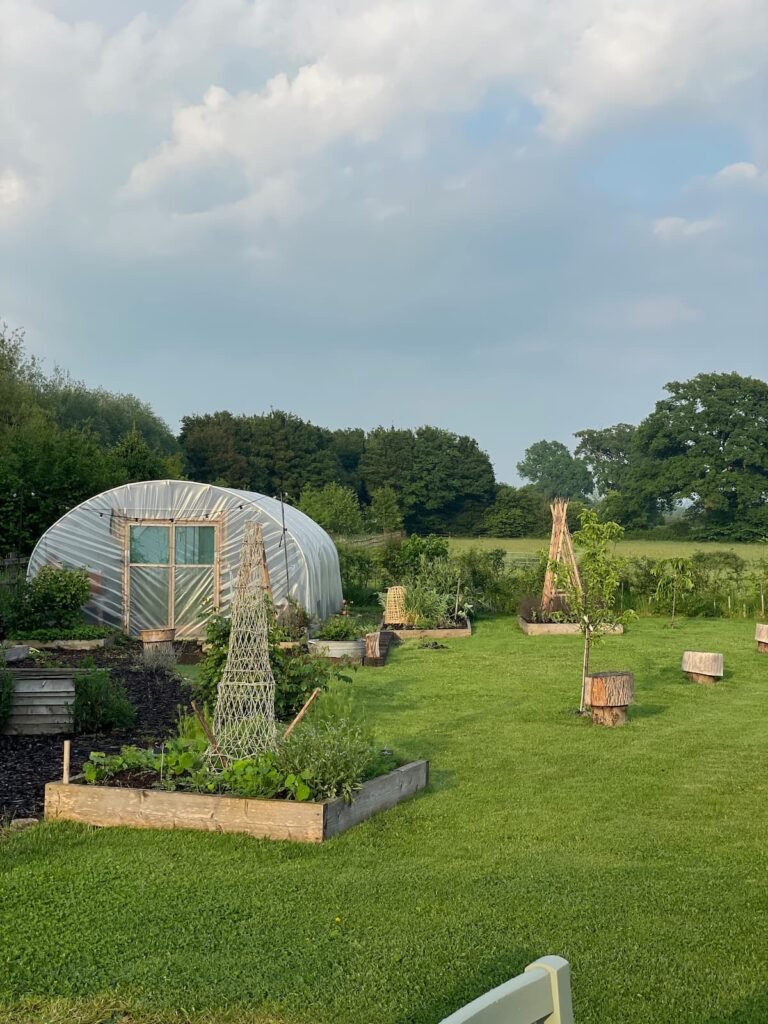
pixel 512 219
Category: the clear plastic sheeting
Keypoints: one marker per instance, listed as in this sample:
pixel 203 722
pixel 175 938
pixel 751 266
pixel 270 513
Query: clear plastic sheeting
pixel 164 552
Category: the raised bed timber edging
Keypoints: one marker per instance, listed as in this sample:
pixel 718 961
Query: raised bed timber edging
pixel 430 634
pixel 71 645
pixel 270 819
pixel 559 628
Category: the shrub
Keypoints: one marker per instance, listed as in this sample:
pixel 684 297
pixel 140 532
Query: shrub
pixel 344 627
pixel 100 703
pixel 331 750
pixel 358 573
pixel 6 697
pixel 53 599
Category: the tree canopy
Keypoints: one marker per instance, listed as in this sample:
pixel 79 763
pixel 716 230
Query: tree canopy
pixel 707 444
pixel 554 471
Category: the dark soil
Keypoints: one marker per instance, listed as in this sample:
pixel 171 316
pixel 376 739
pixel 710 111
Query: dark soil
pixel 28 762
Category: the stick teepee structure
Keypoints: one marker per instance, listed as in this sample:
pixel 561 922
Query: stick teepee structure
pixel 244 720
pixel 560 550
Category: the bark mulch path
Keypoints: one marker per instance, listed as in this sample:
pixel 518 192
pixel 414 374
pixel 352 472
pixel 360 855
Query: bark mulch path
pixel 28 762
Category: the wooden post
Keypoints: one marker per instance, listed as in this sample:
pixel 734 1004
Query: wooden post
pixel 608 695
pixel 65 770
pixel 372 645
pixel 703 667
pixel 761 635
pixel 312 698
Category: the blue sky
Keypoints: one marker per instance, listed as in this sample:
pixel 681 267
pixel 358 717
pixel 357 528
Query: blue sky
pixel 507 218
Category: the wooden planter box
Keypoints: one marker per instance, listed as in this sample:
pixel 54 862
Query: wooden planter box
pixel 430 634
pixel 271 819
pixel 559 628
pixel 338 650
pixel 42 701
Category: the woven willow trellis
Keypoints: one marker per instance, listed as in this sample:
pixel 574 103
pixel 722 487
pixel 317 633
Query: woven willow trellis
pixel 244 720
pixel 394 613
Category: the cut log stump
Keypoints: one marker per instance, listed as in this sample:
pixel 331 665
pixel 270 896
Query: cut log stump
pixel 608 695
pixel 703 667
pixel 761 635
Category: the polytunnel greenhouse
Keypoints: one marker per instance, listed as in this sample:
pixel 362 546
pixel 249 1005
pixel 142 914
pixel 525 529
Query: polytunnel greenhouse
pixel 165 553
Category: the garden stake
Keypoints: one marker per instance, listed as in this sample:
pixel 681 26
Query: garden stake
pixel 458 591
pixel 65 770
pixel 312 698
pixel 208 733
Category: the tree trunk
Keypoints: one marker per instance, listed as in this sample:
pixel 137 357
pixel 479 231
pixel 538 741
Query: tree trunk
pixel 609 694
pixel 584 671
pixel 703 666
pixel 609 716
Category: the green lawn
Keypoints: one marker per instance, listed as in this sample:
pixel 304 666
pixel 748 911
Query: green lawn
pixel 639 854
pixel 627 548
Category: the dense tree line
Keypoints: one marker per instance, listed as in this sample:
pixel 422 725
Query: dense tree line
pixel 61 442
pixel 698 463
pixel 443 482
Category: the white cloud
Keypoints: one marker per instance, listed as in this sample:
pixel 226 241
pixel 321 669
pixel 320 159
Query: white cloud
pixel 270 90
pixel 671 229
pixel 741 174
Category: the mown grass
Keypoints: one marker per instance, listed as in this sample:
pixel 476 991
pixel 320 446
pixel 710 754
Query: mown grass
pixel 526 546
pixel 638 853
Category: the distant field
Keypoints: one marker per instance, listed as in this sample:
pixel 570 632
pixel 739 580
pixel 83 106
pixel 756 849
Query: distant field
pixel 629 548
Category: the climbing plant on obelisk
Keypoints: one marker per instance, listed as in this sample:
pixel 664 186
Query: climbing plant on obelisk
pixel 244 719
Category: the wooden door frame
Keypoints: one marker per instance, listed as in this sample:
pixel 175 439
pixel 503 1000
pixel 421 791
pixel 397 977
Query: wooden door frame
pixel 171 564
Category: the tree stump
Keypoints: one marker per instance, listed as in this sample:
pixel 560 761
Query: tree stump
pixel 703 667
pixel 761 635
pixel 608 695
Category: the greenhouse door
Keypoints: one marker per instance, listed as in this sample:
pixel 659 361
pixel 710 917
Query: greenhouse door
pixel 171 576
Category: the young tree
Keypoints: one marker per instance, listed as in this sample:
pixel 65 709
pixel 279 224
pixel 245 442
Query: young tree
pixel 334 507
pixel 673 576
pixel 383 514
pixel 593 604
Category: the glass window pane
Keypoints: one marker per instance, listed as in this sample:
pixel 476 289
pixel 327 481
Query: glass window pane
pixel 194 545
pixel 150 545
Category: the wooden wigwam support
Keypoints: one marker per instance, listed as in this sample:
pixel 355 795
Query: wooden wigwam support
pixel 703 667
pixel 608 695
pixel 560 550
pixel 761 635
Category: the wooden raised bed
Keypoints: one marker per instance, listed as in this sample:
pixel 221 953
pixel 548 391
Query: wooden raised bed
pixel 377 647
pixel 429 634
pixel 271 819
pixel 42 701
pixel 560 628
pixel 761 637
